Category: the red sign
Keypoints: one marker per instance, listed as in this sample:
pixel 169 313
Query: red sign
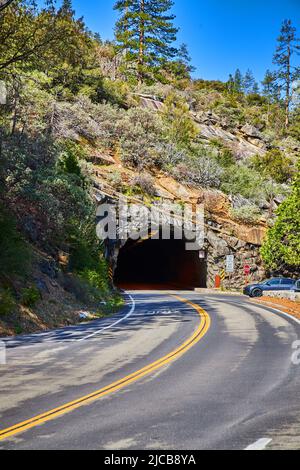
pixel 247 270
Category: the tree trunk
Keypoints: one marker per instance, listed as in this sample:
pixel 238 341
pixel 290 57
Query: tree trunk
pixel 141 42
pixel 288 90
pixel 15 113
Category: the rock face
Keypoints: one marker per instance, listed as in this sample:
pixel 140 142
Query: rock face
pixel 242 144
pixel 223 235
pixel 245 253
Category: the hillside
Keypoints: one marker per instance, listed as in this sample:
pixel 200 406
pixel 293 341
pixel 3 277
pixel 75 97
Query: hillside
pixel 79 123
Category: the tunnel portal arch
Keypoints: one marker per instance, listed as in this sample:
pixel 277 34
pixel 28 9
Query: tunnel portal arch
pixel 157 263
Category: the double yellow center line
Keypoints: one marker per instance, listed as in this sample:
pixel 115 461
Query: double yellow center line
pixel 50 415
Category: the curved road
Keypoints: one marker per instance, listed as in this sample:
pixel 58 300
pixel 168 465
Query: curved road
pixel 211 372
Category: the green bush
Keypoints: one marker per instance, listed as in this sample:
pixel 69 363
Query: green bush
pixel 243 181
pixel 181 128
pixel 68 161
pixel 30 296
pixel 97 279
pixel 145 183
pixel 226 158
pixel 15 255
pixel 247 214
pixel 274 164
pixel 115 180
pixel 7 302
pixel 282 244
pixel 200 172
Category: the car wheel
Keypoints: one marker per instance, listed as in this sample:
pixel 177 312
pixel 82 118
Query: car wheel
pixel 257 293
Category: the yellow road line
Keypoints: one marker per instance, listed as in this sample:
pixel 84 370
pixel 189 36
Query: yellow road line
pixel 201 331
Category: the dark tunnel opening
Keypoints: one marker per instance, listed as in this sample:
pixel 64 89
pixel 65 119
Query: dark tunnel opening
pixel 159 264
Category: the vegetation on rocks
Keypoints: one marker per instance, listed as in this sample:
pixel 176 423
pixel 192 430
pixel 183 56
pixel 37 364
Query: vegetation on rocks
pixel 70 95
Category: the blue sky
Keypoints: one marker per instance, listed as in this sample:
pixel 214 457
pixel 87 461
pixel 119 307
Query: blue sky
pixel 221 34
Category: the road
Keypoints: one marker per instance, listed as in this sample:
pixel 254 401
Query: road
pixel 207 372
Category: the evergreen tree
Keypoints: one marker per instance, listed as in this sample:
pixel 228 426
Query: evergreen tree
pixel 249 82
pixel 238 81
pixel 255 89
pixel 67 9
pixel 271 90
pixel 288 45
pixel 185 58
pixel 145 32
pixel 231 84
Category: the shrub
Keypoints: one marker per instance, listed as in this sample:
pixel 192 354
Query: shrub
pixel 181 128
pixel 140 131
pixel 202 171
pixel 282 245
pixel 274 164
pixel 97 279
pixel 247 214
pixel 115 92
pixel 115 180
pixel 226 158
pixel 254 99
pixel 145 183
pixel 15 253
pixel 30 296
pixel 243 181
pixel 7 302
pixel 68 161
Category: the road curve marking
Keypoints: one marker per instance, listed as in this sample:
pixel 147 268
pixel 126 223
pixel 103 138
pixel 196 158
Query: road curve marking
pixel 277 310
pixel 261 444
pixel 98 332
pixel 204 326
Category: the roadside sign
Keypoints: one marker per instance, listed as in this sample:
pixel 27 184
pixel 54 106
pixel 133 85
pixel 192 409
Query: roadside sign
pixel 230 262
pixel 247 270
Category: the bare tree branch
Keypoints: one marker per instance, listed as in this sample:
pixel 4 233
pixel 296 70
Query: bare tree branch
pixel 5 3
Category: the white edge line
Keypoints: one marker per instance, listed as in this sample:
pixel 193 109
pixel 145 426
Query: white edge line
pixel 113 324
pixel 291 317
pixel 261 444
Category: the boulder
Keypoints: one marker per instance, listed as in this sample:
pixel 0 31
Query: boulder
pixel 251 131
pixel 219 245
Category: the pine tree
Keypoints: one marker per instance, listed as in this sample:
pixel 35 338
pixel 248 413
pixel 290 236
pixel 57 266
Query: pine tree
pixel 255 89
pixel 238 81
pixel 145 32
pixel 231 84
pixel 248 82
pixel 271 89
pixel 287 73
pixel 185 58
pixel 67 9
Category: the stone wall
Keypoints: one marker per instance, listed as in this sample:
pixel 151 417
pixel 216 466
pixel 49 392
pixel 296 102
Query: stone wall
pixel 218 246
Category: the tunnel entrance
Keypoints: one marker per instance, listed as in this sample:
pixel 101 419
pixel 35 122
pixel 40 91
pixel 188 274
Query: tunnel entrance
pixel 159 264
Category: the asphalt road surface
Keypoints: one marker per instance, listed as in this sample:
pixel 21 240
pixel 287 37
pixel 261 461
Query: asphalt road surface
pixel 213 373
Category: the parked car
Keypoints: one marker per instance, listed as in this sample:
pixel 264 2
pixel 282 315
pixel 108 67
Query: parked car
pixel 275 284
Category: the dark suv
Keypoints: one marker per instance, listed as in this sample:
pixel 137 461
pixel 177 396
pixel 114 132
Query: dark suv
pixel 276 284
